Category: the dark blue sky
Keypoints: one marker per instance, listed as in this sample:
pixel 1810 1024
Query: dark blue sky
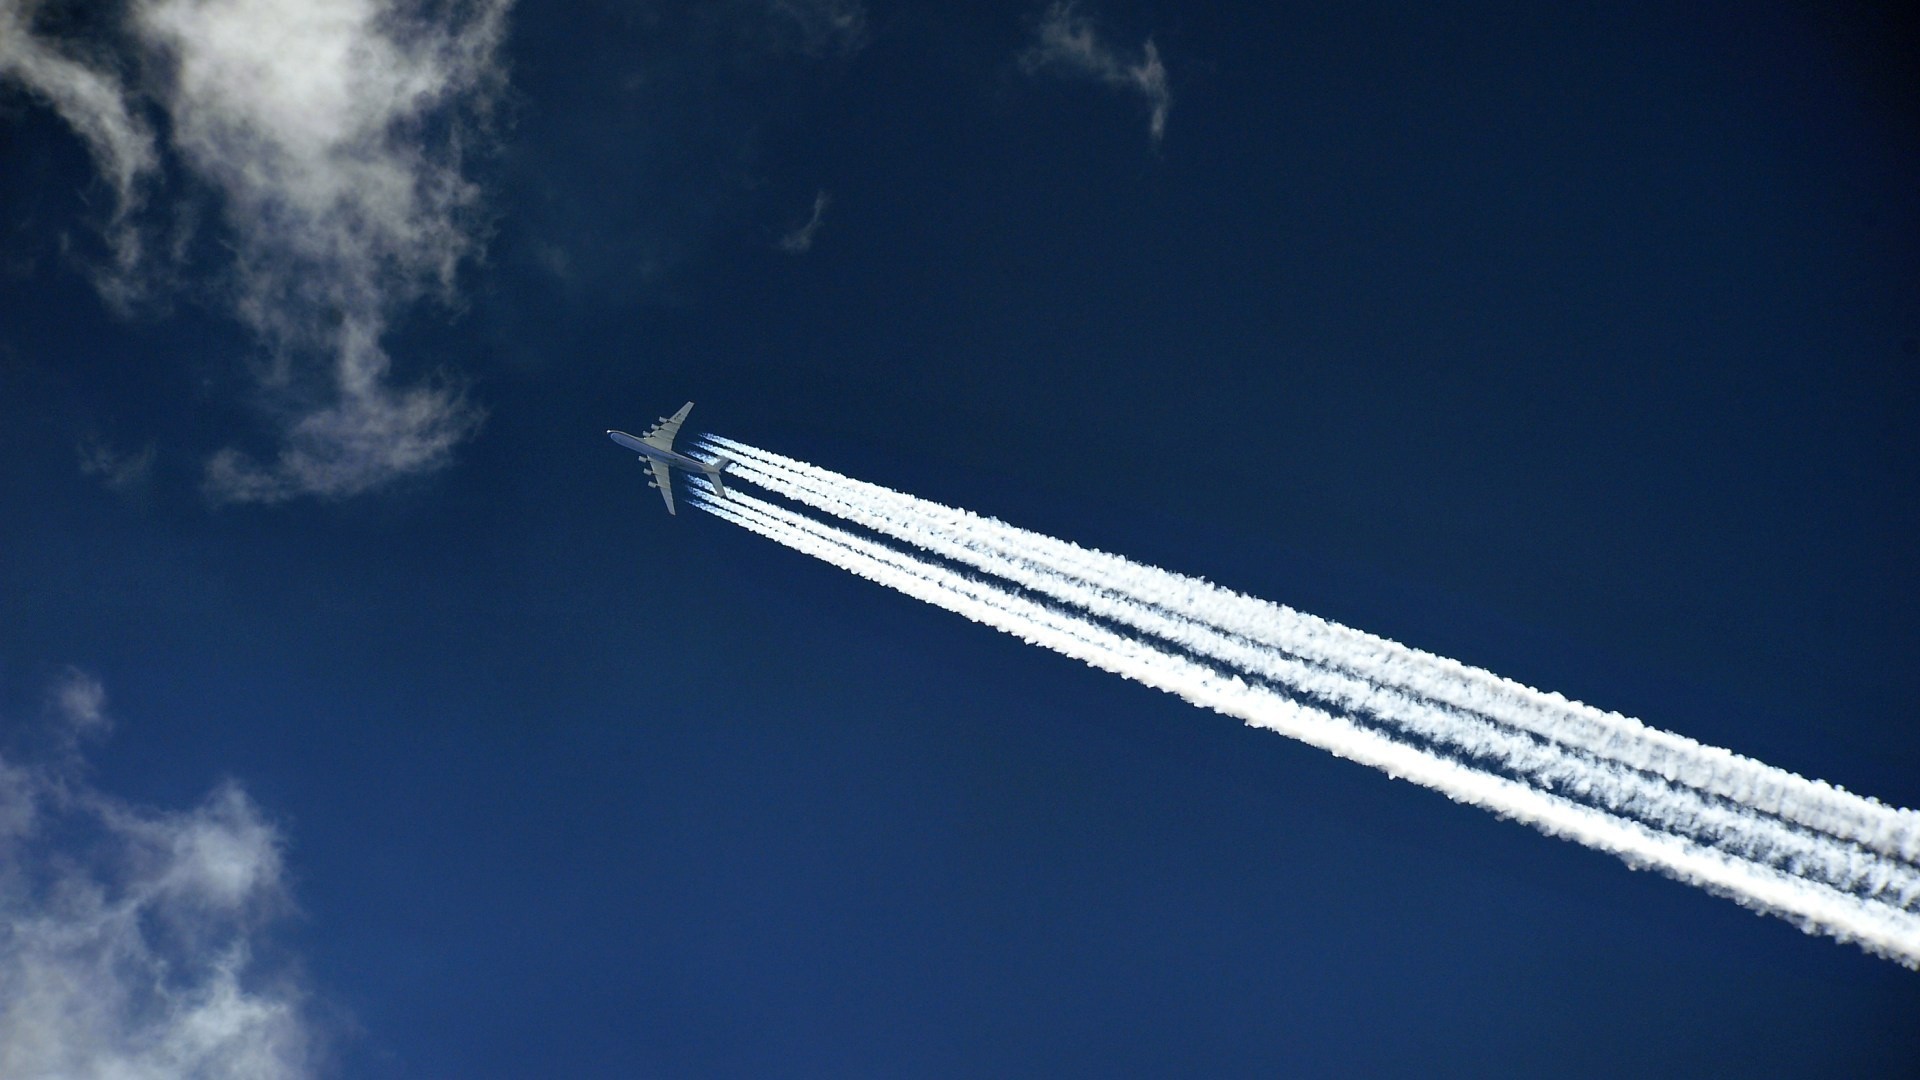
pixel 1579 344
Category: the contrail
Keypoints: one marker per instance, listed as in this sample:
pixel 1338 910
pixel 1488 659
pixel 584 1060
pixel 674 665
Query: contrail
pixel 1885 830
pixel 1612 786
pixel 1876 926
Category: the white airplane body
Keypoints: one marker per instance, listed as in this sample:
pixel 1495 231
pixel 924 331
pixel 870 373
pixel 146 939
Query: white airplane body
pixel 656 449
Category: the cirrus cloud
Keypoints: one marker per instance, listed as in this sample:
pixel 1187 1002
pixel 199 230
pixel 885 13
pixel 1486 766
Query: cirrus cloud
pixel 334 136
pixel 1068 43
pixel 825 27
pixel 131 938
pixel 799 240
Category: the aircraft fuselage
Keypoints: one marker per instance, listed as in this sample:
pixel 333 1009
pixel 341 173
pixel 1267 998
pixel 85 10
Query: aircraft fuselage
pixel 670 458
pixel 656 449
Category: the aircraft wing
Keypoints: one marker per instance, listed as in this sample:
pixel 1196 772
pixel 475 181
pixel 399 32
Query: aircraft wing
pixel 662 433
pixel 663 478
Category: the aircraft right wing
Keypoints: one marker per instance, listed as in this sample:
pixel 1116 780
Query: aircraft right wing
pixel 663 479
pixel 661 436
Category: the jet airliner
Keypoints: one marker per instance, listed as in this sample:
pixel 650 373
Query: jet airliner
pixel 656 449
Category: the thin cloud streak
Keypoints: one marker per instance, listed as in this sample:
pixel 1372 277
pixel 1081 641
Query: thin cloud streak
pixel 93 102
pixel 825 27
pixel 1704 849
pixel 800 240
pixel 1068 43
pixel 130 938
pixel 119 472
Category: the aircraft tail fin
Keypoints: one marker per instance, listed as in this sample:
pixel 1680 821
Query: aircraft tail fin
pixel 714 470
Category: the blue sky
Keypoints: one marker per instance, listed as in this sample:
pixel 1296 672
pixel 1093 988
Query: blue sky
pixel 1580 345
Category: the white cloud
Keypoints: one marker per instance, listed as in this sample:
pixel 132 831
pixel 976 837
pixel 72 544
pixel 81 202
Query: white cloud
pixel 800 240
pixel 80 704
pixel 333 132
pixel 311 118
pixel 369 436
pixel 130 938
pixel 1068 43
pixel 120 472
pixel 826 27
pixel 93 102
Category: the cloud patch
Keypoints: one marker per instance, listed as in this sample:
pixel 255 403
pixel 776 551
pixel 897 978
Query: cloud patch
pixel 824 27
pixel 79 706
pixel 1067 43
pixel 334 135
pixel 120 472
pixel 800 240
pixel 130 938
pixel 94 102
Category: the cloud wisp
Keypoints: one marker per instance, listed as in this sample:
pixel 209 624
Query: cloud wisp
pixel 131 938
pixel 824 27
pixel 94 102
pixel 334 134
pixel 1067 43
pixel 1828 860
pixel 800 240
pixel 80 707
pixel 121 472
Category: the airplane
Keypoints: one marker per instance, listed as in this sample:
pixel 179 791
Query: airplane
pixel 656 448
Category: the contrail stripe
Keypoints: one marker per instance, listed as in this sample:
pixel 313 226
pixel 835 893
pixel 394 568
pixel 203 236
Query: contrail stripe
pixel 1889 831
pixel 1614 787
pixel 1875 926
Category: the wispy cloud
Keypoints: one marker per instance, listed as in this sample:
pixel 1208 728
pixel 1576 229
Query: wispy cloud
pixel 825 27
pixel 313 121
pixel 79 706
pixel 1067 42
pixel 800 240
pixel 94 102
pixel 120 472
pixel 131 938
pixel 334 133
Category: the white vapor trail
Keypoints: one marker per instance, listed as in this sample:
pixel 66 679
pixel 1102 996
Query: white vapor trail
pixel 1616 788
pixel 1885 830
pixel 1763 860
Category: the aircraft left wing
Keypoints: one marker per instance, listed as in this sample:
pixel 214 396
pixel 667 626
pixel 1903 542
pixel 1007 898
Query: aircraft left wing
pixel 663 478
pixel 662 434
